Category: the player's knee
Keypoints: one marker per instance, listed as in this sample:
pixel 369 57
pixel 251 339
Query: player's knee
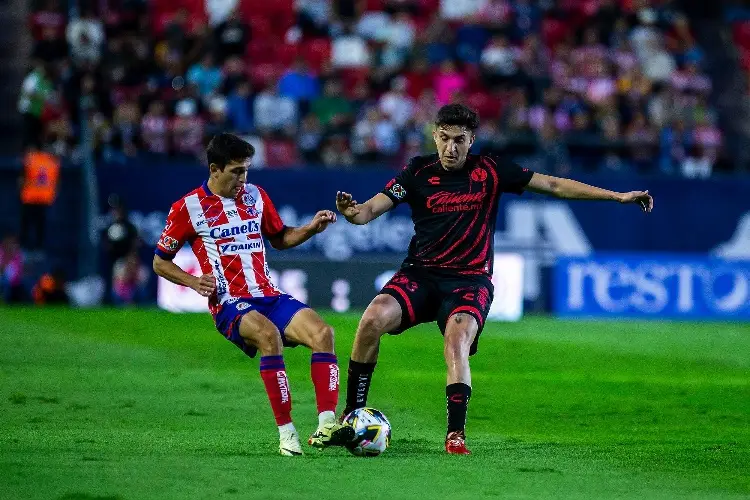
pixel 373 323
pixel 269 342
pixel 459 334
pixel 382 315
pixel 322 338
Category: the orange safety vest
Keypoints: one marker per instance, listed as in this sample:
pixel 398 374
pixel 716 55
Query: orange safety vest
pixel 41 173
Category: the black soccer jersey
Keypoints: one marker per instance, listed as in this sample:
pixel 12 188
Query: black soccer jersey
pixel 455 212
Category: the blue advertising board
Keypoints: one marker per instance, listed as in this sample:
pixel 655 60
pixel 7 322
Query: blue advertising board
pixel 651 286
pixel 710 217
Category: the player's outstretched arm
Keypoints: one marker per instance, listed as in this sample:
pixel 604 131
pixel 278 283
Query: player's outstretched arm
pixel 204 285
pixel 360 214
pixel 290 237
pixel 574 190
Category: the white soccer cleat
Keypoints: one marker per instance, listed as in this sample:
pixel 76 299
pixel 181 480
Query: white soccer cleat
pixel 289 445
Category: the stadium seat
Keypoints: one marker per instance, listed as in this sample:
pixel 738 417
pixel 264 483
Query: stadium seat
pixel 316 52
pixel 261 51
pixel 487 106
pixel 260 28
pixel 351 77
pixel 286 53
pixel 741 32
pixel 473 77
pixel 263 74
pixel 554 31
pixel 280 153
pixel 374 5
pixel 744 58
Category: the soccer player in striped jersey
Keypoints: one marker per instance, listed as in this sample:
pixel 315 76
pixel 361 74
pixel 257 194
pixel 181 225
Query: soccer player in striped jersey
pixel 446 276
pixel 224 221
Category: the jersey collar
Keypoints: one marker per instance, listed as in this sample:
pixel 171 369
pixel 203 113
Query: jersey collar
pixel 205 188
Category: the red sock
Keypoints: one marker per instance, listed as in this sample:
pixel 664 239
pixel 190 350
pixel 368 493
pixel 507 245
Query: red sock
pixel 273 373
pixel 324 371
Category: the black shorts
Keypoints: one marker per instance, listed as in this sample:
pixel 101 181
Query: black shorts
pixel 427 295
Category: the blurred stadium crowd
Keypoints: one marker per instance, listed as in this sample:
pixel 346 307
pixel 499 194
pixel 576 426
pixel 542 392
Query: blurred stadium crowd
pixel 587 85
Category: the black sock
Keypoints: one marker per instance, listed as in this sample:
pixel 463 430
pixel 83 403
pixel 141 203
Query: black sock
pixel 457 398
pixel 358 385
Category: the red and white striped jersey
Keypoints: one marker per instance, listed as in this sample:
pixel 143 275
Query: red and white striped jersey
pixel 226 236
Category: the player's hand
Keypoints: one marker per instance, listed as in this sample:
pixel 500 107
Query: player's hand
pixel 205 285
pixel 347 205
pixel 321 220
pixel 642 198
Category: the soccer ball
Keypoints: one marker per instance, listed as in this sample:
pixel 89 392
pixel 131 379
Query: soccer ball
pixel 372 432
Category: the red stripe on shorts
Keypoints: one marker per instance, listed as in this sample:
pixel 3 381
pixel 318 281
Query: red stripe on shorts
pixel 409 307
pixel 469 309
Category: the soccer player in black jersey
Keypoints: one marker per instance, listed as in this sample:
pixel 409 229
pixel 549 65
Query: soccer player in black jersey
pixel 446 276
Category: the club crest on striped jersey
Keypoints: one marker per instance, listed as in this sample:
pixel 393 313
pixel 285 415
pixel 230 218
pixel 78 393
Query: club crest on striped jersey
pixel 249 201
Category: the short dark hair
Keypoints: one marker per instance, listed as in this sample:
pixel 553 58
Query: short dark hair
pixel 457 114
pixel 225 147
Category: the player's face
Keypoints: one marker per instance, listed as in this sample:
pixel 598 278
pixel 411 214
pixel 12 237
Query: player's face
pixel 231 179
pixel 453 143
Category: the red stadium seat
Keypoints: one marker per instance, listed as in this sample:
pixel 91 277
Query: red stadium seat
pixel 281 22
pixel 260 28
pixel 745 58
pixel 264 74
pixel 261 51
pixel 316 52
pixel 280 153
pixel 351 77
pixel 554 31
pixel 473 77
pixel 286 53
pixel 266 8
pixel 486 105
pixel 741 32
pixel 374 5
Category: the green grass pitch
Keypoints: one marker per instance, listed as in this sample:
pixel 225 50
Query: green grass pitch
pixel 143 404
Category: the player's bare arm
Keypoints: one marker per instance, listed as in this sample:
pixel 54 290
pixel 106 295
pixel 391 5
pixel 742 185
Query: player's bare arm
pixel 204 285
pixel 574 190
pixel 292 236
pixel 362 213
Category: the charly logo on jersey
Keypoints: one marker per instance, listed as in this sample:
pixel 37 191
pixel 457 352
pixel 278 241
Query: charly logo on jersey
pixel 231 214
pixel 249 227
pixel 398 191
pixel 240 247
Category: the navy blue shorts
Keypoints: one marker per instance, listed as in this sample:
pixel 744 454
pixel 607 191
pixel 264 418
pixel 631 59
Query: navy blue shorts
pixel 279 310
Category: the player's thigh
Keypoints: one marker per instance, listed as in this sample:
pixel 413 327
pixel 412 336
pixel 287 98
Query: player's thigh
pixel 258 331
pixel 459 333
pixel 308 328
pixel 463 312
pixel 415 292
